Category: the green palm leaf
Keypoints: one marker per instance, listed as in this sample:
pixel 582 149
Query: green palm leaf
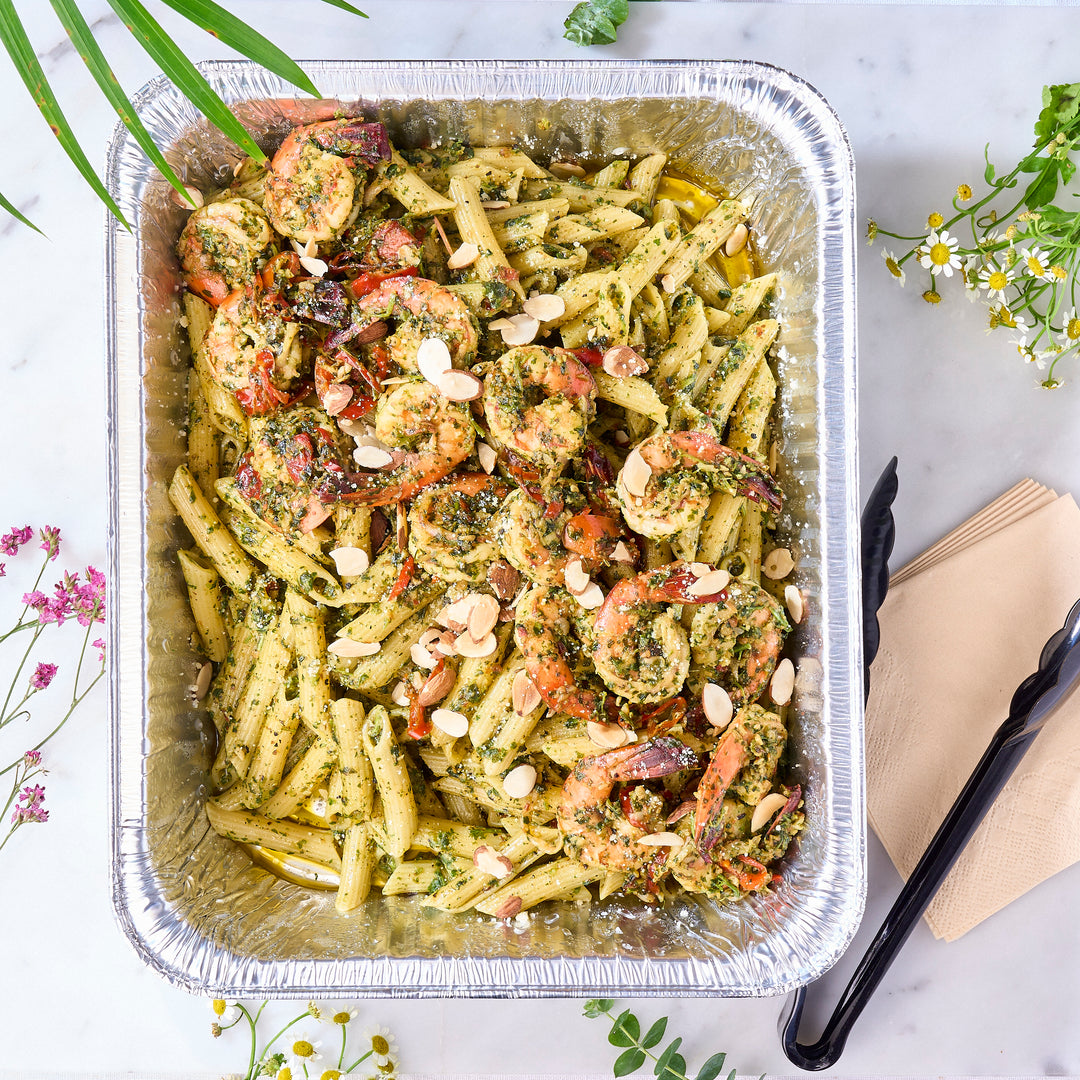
pixel 345 7
pixel 26 63
pixel 75 25
pixel 164 52
pixel 15 213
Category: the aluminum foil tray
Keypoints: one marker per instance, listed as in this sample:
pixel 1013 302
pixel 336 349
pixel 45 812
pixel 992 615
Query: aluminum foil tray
pixel 195 906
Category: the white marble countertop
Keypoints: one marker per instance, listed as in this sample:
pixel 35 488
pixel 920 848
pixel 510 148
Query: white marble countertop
pixel 920 89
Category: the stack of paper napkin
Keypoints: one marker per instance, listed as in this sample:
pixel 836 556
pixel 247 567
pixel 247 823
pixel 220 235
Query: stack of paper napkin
pixel 962 625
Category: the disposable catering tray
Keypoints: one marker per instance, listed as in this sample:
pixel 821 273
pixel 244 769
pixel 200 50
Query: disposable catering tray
pixel 195 906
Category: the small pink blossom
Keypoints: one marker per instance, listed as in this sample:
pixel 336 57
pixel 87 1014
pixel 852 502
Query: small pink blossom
pixel 28 807
pixel 12 541
pixel 100 646
pixel 43 675
pixel 3 569
pixel 50 541
pixel 32 759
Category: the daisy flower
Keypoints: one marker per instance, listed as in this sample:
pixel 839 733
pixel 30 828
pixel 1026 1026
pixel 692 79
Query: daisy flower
pixel 938 255
pixel 383 1044
pixel 300 1052
pixel 1035 263
pixel 1070 330
pixel 995 280
pixel 224 1014
pixel 893 266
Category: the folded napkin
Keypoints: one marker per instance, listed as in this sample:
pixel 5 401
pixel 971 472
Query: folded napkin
pixel 963 624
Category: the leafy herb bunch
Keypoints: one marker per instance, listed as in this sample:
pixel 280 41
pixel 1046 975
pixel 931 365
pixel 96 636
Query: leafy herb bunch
pixel 1021 259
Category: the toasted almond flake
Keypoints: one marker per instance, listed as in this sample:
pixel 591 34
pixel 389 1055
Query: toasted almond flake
pixel 669 283
pixel 661 839
pixel 336 397
pixel 489 861
pixel 455 616
pixel 621 361
pixel 700 569
pixel 433 358
pixel 608 736
pixel 519 783
pixel 459 385
pixel 510 907
pixel 483 617
pixel 466 646
pixel 764 811
pixel 621 553
pixel 300 249
pixel 737 240
pixel 202 680
pixel 592 597
pixel 347 647
pixel 621 438
pixel 774 457
pixel 311 250
pixel 712 582
pixel 400 694
pixel 438 685
pixel 421 657
pixel 503 579
pixel 496 204
pixel 453 723
pixel 372 457
pixel 524 694
pixel 429 637
pixel 782 682
pixel 522 330
pixel 577 581
pixel 315 267
pixel 355 429
pixel 500 324
pixel 193 193
pixel 566 169
pixel 545 307
pixel 793 599
pixel 635 474
pixel 718 705
pixel 777 564
pixel 487 457
pixel 445 644
pixel 465 255
pixel 350 561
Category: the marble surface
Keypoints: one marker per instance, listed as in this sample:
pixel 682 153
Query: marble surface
pixel 920 89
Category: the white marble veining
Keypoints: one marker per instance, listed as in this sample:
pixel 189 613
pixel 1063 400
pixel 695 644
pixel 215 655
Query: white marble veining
pixel 920 89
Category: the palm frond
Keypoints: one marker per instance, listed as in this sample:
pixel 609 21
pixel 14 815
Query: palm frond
pixel 10 208
pixel 18 47
pixel 345 7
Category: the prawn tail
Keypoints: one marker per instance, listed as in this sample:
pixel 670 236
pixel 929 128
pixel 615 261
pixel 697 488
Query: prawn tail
pixel 761 488
pixel 658 757
pixel 728 758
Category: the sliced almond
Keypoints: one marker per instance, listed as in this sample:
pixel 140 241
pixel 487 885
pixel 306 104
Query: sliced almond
pixel 621 553
pixel 737 240
pixel 336 397
pixel 466 646
pixel 433 358
pixel 621 438
pixel 783 682
pixel 577 581
pixel 793 599
pixel 669 283
pixel 564 170
pixel 355 429
pixel 428 638
pixel 194 197
pixel 661 839
pixel 455 616
pixel 524 694
pixel 545 307
pixel 482 617
pixel 465 255
pixel 438 685
pixel 522 329
pixel 372 457
pixel 621 361
pixel 713 582
pixel 718 705
pixel 400 694
pixel 608 736
pixel 489 861
pixel 496 204
pixel 444 644
pixel 518 783
pixel 592 597
pixel 347 647
pixel 459 385
pixel 764 811
pixel 635 474
pixel 453 723
pixel 777 564
pixel 510 907
pixel 421 657
pixel 487 457
pixel 315 267
pixel 350 561
pixel 202 680
pixel 503 579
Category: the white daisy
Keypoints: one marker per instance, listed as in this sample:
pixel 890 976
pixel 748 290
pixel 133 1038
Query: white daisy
pixel 995 280
pixel 894 267
pixel 1070 329
pixel 1035 263
pixel 938 255
pixel 383 1044
pixel 301 1051
pixel 224 1013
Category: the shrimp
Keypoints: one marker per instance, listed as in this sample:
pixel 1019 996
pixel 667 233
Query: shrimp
pixel 449 526
pixel 683 469
pixel 311 190
pixel 423 309
pixel 222 246
pixel 530 535
pixel 253 352
pixel 435 433
pixel 597 830
pixel 641 651
pixel 736 641
pixel 538 403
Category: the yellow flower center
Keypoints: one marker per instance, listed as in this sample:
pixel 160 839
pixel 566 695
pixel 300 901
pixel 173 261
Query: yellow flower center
pixel 935 220
pixel 931 297
pixel 893 267
pixel 302 1048
pixel 997 280
pixel 285 1073
pixel 963 192
pixel 1073 329
pixel 330 1074
pixel 379 1045
pixel 1059 272
pixel 940 254
pixel 342 1018
pixel 1035 266
pixel 219 1007
pixel 1005 318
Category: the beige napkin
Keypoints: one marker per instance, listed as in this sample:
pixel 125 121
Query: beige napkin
pixel 963 624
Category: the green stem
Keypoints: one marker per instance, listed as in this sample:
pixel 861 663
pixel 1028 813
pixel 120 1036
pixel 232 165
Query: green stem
pixel 359 1061
pixel 18 672
pixel 646 1052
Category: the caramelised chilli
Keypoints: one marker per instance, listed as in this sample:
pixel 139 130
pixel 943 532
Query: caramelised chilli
pixel 478 484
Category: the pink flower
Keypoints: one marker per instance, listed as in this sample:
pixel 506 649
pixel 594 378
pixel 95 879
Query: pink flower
pixel 12 541
pixel 100 646
pixel 28 807
pixel 43 675
pixel 3 569
pixel 32 759
pixel 50 541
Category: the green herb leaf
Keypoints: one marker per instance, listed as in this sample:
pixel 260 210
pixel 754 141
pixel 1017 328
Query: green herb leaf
pixel 655 1033
pixel 660 1069
pixel 711 1069
pixel 625 1030
pixel 26 63
pixel 597 1007
pixel 675 1069
pixel 1042 189
pixel 1061 105
pixel 629 1061
pixel 596 22
pixel 168 56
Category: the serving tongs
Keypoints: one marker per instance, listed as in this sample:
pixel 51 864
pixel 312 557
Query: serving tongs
pixel 1033 703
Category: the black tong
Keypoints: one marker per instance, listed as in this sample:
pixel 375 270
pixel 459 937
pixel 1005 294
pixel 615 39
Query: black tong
pixel 1035 699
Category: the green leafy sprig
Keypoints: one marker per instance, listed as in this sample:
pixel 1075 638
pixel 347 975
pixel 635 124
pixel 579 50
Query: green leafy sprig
pixel 668 1064
pixel 1024 250
pixel 207 14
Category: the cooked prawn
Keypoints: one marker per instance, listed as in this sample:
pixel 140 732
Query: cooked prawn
pixel 538 403
pixel 435 433
pixel 311 192
pixel 597 830
pixel 684 469
pixel 641 651
pixel 222 246
pixel 530 534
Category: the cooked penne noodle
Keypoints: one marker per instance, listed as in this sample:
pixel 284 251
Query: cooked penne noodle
pixel 286 836
pixel 204 596
pixel 391 780
pixel 491 264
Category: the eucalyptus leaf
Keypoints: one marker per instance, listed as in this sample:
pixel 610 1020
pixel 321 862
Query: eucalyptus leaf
pixel 711 1069
pixel 629 1061
pixel 655 1033
pixel 669 1052
pixel 598 1007
pixel 625 1030
pixel 596 22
